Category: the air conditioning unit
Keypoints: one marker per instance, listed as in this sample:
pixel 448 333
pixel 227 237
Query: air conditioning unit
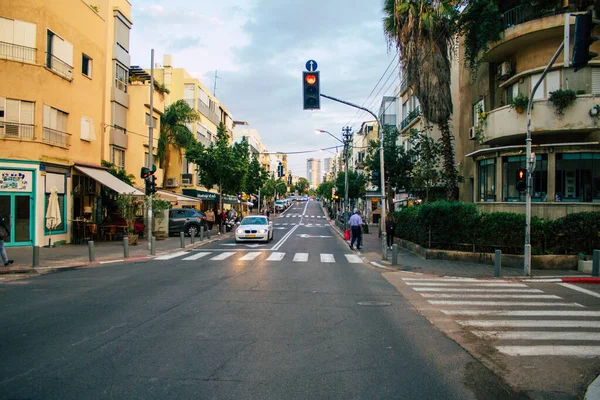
pixel 504 70
pixel 186 179
pixel 172 182
pixel 472 133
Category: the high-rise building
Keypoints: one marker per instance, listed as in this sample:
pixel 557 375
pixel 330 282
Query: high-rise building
pixel 313 172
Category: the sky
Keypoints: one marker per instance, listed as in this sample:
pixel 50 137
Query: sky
pixel 259 49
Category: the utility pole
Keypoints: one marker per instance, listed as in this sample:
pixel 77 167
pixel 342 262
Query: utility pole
pixel 347 140
pixel 151 147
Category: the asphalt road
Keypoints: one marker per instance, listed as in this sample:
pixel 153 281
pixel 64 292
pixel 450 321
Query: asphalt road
pixel 269 326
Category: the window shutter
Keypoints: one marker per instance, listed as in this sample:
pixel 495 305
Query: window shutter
pixel 122 34
pixel 62 50
pixel 595 80
pixel 12 111
pixel 85 128
pixel 7 30
pixel 24 33
pixel 27 110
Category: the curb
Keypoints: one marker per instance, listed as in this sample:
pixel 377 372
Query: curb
pixel 593 390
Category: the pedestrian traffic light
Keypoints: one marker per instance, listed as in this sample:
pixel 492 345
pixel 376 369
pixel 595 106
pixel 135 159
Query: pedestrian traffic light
pixel 521 179
pixel 311 90
pixel 584 25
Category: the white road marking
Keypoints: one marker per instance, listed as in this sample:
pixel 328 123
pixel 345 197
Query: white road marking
pixel 223 256
pixel 537 335
pixel 110 262
pixel 447 279
pixel 251 256
pixel 470 284
pixel 276 256
pixel 327 258
pixel 573 351
pixel 301 257
pixel 582 290
pixel 468 290
pixel 530 323
pixel 525 313
pixel 353 259
pixel 197 256
pixel 172 255
pixel 488 296
pixel 500 303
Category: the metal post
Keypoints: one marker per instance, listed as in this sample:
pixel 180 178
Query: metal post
pixel 36 256
pixel 497 263
pixel 126 247
pixel 208 234
pixel 153 246
pixel 394 254
pixel 201 233
pixel 596 263
pixel 182 239
pixel 91 251
pixel 151 146
pixel 192 239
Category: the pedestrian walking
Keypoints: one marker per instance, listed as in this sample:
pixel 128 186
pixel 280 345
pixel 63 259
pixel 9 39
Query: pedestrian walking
pixel 4 234
pixel 390 229
pixel 210 219
pixel 223 220
pixel 218 221
pixel 355 223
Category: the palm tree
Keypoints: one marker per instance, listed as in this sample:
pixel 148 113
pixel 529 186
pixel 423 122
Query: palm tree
pixel 274 186
pixel 423 31
pixel 174 134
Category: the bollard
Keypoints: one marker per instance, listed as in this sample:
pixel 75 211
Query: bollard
pixel 201 233
pixel 596 263
pixel 208 233
pixel 182 239
pixel 223 229
pixel 91 251
pixel 36 256
pixel 153 246
pixel 497 262
pixel 193 239
pixel 394 254
pixel 384 249
pixel 126 247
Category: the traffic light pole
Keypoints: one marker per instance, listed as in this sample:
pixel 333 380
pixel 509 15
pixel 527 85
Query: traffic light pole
pixel 151 147
pixel 382 170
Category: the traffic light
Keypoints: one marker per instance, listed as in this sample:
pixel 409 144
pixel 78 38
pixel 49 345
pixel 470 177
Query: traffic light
pixel 521 179
pixel 150 185
pixel 375 180
pixel 145 172
pixel 310 90
pixel 280 170
pixel 584 25
pixel 289 179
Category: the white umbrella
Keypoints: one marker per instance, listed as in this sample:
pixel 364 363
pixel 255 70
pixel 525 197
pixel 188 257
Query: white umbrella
pixel 52 213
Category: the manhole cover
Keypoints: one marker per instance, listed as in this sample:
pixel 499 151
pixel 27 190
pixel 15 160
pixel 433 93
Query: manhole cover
pixel 374 303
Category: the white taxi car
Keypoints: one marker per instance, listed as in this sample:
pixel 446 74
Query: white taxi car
pixel 254 227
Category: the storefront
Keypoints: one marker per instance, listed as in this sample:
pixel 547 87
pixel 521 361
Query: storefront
pixel 17 202
pixel 209 199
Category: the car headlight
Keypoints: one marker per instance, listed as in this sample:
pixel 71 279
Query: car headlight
pixel 240 231
pixel 262 231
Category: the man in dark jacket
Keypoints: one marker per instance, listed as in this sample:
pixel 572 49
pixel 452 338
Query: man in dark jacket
pixel 4 233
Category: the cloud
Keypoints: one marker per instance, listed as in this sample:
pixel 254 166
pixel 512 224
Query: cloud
pixel 184 42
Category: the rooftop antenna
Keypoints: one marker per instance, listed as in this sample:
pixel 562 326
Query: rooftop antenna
pixel 215 88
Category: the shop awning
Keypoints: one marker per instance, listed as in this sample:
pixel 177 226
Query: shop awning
pixel 178 199
pixel 109 180
pixel 208 197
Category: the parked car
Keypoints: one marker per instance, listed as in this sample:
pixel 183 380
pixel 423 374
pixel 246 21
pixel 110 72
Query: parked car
pixel 279 205
pixel 186 220
pixel 254 227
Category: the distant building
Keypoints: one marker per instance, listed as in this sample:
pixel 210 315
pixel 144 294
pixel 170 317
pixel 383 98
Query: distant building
pixel 313 172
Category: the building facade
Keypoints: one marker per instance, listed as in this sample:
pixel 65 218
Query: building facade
pixel 313 172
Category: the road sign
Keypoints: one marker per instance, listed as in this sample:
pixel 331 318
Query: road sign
pixel 311 65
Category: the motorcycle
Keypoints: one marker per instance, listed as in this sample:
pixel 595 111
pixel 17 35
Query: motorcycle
pixel 231 224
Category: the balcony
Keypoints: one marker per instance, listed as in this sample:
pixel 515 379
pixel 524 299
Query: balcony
pixel 59 67
pixel 504 124
pixel 14 130
pixel 15 52
pixel 521 14
pixel 411 117
pixel 56 138
pixel 403 86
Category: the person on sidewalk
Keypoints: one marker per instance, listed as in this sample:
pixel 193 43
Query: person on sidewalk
pixel 223 220
pixel 355 223
pixel 390 230
pixel 4 233
pixel 218 221
pixel 210 219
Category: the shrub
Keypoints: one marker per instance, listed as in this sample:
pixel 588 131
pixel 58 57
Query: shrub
pixel 573 234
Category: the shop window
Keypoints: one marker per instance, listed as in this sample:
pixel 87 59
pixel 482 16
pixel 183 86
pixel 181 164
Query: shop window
pixel 510 166
pixel 487 180
pixel 578 177
pixel 57 181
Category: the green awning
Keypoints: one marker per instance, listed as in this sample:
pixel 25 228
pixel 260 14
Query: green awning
pixel 208 197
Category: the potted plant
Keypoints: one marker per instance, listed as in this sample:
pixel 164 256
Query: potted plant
pixel 562 98
pixel 127 205
pixel 519 102
pixel 160 211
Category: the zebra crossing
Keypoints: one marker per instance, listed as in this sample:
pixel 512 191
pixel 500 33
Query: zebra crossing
pixel 274 256
pixel 515 319
pixel 302 215
pixel 301 224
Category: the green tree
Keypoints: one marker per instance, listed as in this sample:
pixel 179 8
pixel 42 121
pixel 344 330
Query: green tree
pixel 397 163
pixel 273 187
pixel 324 190
pixel 426 154
pixel 256 177
pixel 356 185
pixel 221 165
pixel 174 134
pixel 302 186
pixel 423 31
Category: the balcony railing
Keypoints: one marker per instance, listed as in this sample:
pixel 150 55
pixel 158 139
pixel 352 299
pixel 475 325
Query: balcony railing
pixel 56 138
pixel 411 116
pixel 59 67
pixel 522 14
pixel 10 51
pixel 15 130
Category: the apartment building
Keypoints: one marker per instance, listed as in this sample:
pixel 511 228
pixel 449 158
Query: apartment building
pixel 313 172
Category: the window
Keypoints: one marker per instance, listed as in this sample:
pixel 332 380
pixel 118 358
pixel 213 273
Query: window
pixel 202 96
pixel 477 108
pixel 550 83
pixel 87 129
pixel 510 166
pixel 55 127
pixel 578 177
pixel 59 55
pixel 17 40
pixel 405 109
pixel 154 120
pixel 188 92
pixel 487 180
pixel 154 160
pixel 16 118
pixel 122 33
pixel 86 65
pixel 512 92
pixel 121 77
pixel 118 158
pixel 57 181
pixel 185 165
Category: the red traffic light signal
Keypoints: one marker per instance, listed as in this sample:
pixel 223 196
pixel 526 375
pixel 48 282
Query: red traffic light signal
pixel 521 179
pixel 311 90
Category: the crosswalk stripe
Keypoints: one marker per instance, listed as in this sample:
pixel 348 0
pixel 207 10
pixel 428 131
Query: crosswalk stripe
pixel 301 257
pixel 353 259
pixel 275 256
pixel 327 258
pixel 530 323
pixel 172 255
pixel 251 256
pixel 223 256
pixel 537 335
pixel 197 256
pixel 446 280
pixel 524 313
pixel 575 351
pixel 488 296
pixel 471 290
pixel 501 303
pixel 472 284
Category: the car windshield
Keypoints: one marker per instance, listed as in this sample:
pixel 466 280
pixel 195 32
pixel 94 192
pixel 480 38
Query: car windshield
pixel 254 221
